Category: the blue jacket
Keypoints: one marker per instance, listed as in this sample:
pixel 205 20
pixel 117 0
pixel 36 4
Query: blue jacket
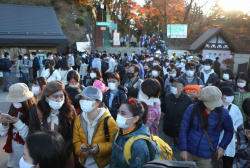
pixel 195 141
pixel 96 63
pixel 139 149
pixel 6 65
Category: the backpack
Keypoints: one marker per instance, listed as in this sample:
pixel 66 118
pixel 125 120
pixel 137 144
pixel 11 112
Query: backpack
pixel 168 163
pixel 158 149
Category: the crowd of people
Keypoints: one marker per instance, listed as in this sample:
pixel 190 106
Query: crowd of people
pixel 84 109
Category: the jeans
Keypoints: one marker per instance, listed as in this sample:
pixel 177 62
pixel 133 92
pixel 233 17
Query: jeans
pixel 7 81
pixel 26 78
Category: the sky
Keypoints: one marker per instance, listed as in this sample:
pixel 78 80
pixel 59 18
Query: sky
pixel 242 5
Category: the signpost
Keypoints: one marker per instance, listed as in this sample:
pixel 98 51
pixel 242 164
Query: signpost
pixel 177 31
pixel 104 23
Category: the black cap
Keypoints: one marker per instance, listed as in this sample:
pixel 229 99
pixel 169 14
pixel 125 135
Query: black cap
pixel 178 80
pixel 226 90
pixel 208 61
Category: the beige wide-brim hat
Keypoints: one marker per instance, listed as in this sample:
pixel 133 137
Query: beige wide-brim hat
pixel 19 92
pixel 211 97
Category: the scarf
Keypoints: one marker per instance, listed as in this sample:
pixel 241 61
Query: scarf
pixel 130 84
pixel 14 136
pixel 53 119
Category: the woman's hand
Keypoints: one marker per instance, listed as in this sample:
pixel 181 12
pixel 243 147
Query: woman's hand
pixel 12 120
pixel 184 155
pixel 95 149
pixel 220 152
pixel 3 120
pixel 84 149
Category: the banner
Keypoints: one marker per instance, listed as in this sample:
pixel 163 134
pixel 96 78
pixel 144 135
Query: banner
pixel 83 46
pixel 116 39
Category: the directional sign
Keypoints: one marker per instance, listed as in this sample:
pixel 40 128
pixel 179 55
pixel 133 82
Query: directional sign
pixel 103 23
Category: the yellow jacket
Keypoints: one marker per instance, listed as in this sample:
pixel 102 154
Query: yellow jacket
pixel 103 156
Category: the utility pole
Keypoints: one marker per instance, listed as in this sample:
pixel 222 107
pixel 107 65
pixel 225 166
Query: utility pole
pixel 166 24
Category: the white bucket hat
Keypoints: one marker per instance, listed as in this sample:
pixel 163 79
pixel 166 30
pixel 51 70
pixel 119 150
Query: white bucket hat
pixel 19 92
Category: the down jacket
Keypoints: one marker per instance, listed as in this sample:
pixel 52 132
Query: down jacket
pixel 102 158
pixel 195 142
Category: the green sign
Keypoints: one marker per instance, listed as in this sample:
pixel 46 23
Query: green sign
pixel 103 23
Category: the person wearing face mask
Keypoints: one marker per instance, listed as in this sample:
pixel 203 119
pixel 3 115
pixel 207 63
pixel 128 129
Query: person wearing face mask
pixel 71 60
pixel 190 78
pixel 133 82
pixel 94 73
pixel 174 72
pixel 242 90
pixel 131 116
pixel 44 149
pixel 116 94
pixel 241 159
pixel 55 112
pixel 228 77
pixel 207 74
pixel 64 70
pixel 202 121
pixel 25 65
pixel 51 74
pixel 156 73
pixel 16 127
pixel 140 62
pixel 6 67
pixel 166 67
pixel 149 94
pixel 91 145
pixel 112 63
pixel 235 113
pixel 156 61
pixel 38 87
pixel 74 88
pixel 147 66
pixel 174 106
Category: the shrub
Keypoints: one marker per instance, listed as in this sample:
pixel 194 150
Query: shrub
pixel 82 9
pixel 62 22
pixel 89 8
pixel 80 21
pixel 56 4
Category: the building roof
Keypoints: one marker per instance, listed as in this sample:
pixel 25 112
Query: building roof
pixel 210 33
pixel 29 25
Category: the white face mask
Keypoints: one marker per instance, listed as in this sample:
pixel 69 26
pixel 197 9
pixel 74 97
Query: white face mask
pixel 147 60
pixel 167 63
pixel 74 86
pixel 17 105
pixel 228 99
pixel 51 58
pixel 86 105
pixel 206 67
pixel 112 86
pixel 172 75
pixel 173 90
pixel 226 76
pixel 25 57
pixel 55 105
pixel 241 85
pixel 155 73
pixel 151 59
pixel 24 164
pixel 36 90
pixel 154 64
pixel 190 73
pixel 92 75
pixel 121 121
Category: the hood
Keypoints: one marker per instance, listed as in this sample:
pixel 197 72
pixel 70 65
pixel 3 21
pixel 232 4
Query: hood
pixel 212 71
pixel 96 59
pixel 140 129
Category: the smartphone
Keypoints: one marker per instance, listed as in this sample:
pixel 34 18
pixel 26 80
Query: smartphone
pixel 6 115
pixel 87 148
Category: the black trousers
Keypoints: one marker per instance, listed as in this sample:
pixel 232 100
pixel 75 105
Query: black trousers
pixel 227 161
